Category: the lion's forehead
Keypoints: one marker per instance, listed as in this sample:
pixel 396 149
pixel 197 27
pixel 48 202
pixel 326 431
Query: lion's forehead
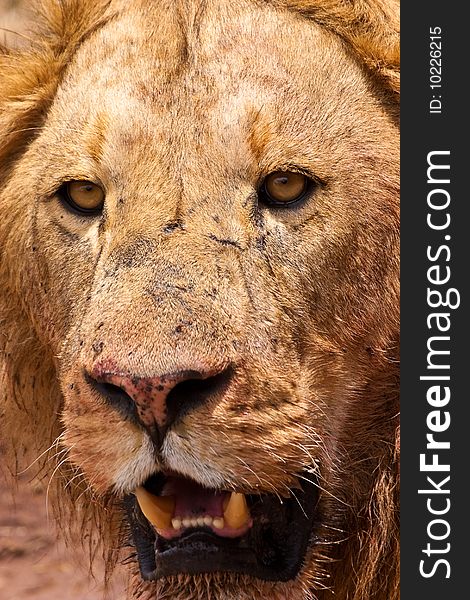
pixel 177 82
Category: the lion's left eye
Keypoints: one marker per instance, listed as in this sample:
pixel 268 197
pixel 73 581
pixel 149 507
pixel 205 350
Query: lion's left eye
pixel 84 196
pixel 283 187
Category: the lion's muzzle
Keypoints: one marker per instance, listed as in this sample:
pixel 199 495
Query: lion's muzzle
pixel 156 402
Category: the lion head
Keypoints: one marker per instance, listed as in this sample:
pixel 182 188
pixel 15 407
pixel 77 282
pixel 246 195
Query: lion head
pixel 199 274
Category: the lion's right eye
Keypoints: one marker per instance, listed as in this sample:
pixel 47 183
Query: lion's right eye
pixel 84 196
pixel 283 188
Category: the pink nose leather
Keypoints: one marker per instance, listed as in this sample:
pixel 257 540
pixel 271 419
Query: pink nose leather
pixel 149 395
pixel 149 399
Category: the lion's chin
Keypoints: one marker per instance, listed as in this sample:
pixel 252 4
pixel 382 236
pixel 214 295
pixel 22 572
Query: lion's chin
pixel 180 527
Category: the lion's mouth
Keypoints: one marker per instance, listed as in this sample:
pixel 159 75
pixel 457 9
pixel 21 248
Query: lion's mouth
pixel 179 526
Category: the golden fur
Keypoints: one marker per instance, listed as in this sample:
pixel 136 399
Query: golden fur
pixel 179 109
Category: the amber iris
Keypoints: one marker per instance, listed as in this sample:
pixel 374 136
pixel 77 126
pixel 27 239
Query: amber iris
pixel 284 187
pixel 84 196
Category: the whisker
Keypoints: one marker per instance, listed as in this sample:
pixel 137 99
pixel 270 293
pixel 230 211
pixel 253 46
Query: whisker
pixel 54 443
pixel 324 490
pixel 57 468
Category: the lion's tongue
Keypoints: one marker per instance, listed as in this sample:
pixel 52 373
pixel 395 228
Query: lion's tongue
pixel 183 504
pixel 192 499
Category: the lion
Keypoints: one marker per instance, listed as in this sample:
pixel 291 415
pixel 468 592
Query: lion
pixel 199 281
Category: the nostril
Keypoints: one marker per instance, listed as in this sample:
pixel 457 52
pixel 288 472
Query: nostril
pixel 117 397
pixel 111 389
pixel 188 394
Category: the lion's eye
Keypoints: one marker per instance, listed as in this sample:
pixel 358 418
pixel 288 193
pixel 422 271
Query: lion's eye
pixel 283 187
pixel 84 196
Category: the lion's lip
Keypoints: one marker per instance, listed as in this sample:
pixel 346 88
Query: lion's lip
pixel 272 547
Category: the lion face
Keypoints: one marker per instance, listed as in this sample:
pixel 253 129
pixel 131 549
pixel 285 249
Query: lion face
pixel 213 209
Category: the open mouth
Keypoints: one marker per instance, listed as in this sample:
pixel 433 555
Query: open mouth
pixel 179 526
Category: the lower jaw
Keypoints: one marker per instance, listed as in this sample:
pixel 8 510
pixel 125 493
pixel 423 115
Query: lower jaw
pixel 200 553
pixel 273 549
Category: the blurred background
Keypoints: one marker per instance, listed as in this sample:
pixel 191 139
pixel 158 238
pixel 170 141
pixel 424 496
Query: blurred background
pixel 33 564
pixel 12 17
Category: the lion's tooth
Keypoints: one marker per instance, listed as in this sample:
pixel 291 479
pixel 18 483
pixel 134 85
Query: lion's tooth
pixel 207 520
pixel 218 522
pixel 187 522
pixel 157 509
pixel 236 513
pixel 176 523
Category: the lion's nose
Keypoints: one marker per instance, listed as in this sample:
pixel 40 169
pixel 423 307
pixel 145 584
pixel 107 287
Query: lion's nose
pixel 157 402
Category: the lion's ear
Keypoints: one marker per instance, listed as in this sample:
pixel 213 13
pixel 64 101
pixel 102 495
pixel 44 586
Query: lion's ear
pixel 30 74
pixel 371 28
pixel 375 36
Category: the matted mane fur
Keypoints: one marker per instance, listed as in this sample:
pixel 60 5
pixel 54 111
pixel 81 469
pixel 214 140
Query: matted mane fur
pixel 30 393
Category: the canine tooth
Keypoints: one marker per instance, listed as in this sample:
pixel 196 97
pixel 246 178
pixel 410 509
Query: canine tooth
pixel 218 522
pixel 176 522
pixel 236 513
pixel 207 520
pixel 187 522
pixel 157 509
pixel 200 521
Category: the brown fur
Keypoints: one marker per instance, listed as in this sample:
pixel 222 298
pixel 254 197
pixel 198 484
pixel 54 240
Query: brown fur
pixel 179 109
